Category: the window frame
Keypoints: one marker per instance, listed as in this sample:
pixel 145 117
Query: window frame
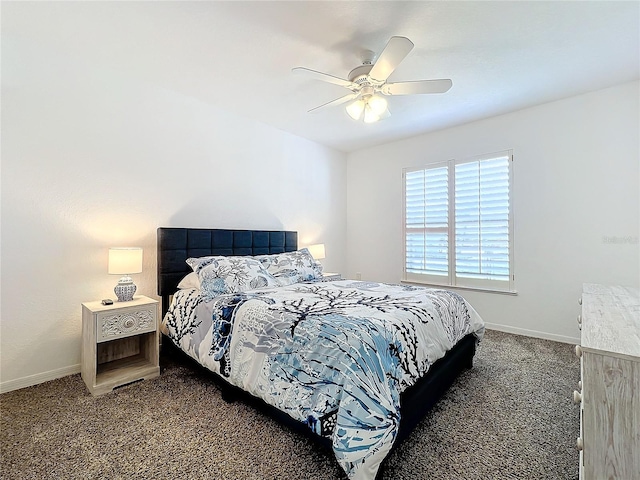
pixel 452 279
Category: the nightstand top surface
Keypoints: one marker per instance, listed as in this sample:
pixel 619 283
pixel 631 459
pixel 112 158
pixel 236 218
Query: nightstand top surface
pixel 138 300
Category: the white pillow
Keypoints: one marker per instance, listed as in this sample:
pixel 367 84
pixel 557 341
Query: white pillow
pixel 219 275
pixel 190 281
pixel 292 267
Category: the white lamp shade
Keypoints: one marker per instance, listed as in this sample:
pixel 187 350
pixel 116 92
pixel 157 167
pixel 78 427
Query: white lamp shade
pixel 317 251
pixel 369 115
pixel 374 108
pixel 125 260
pixel 355 109
pixel 378 105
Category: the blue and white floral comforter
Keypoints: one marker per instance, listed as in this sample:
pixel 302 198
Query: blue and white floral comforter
pixel 334 355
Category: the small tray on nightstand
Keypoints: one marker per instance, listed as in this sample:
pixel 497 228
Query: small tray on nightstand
pixel 331 277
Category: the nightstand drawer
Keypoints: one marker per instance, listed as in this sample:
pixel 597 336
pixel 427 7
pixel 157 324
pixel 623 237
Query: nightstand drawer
pixel 125 322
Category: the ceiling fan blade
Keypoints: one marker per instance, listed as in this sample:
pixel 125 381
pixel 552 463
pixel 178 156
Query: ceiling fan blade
pixel 325 77
pixel 337 101
pixel 396 50
pixel 420 86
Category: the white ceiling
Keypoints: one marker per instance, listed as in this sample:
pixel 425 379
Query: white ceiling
pixel 501 56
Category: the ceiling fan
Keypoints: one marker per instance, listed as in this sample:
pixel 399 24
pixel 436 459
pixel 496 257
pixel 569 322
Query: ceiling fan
pixel 369 80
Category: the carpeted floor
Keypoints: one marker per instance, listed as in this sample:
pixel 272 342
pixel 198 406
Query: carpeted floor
pixel 510 417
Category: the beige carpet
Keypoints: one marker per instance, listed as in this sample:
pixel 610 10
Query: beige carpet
pixel 510 417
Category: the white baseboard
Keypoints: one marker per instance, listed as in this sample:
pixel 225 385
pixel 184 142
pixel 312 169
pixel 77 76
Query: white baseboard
pixel 63 372
pixel 533 333
pixel 38 378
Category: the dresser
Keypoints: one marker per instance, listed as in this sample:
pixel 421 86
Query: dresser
pixel 609 391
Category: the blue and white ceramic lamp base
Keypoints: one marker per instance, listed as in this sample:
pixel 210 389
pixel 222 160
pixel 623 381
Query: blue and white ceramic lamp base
pixel 125 289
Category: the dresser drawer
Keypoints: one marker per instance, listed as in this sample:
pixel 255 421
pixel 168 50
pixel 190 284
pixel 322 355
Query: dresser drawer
pixel 125 322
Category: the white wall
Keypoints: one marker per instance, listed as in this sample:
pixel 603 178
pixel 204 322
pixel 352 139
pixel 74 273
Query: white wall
pixel 575 198
pixel 92 158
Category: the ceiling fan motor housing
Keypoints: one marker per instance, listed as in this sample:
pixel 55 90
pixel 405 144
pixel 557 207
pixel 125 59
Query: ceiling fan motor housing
pixel 360 74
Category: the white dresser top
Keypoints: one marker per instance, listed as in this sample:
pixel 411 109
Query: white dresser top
pixel 611 319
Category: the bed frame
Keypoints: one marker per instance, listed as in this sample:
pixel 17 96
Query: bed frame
pixel 175 245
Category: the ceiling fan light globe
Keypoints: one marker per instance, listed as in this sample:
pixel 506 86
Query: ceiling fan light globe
pixel 378 105
pixel 369 115
pixel 355 109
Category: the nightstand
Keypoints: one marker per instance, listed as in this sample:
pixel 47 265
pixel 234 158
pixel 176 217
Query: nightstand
pixel 119 343
pixel 331 277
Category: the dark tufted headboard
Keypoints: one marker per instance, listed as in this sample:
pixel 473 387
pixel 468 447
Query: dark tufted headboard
pixel 175 245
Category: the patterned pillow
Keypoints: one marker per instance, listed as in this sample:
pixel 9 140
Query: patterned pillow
pixel 219 275
pixel 292 267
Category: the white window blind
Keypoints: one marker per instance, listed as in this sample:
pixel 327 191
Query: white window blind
pixel 458 223
pixel 427 221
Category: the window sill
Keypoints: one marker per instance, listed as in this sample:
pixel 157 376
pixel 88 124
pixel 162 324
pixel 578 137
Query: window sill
pixel 458 287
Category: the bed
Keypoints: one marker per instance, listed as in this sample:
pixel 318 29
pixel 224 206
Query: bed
pixel 356 365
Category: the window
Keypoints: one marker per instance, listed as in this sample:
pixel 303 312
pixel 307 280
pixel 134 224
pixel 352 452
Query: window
pixel 458 225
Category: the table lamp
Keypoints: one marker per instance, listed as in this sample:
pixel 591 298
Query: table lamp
pixel 125 261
